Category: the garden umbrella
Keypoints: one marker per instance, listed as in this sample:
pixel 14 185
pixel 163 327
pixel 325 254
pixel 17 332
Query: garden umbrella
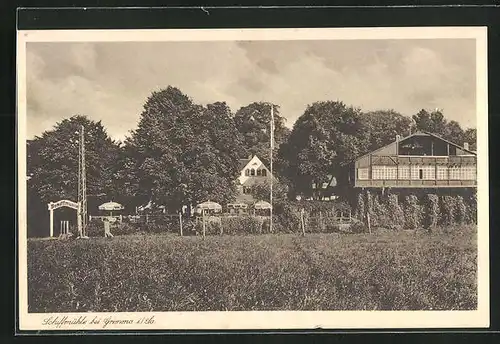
pixel 111 206
pixel 209 205
pixel 262 205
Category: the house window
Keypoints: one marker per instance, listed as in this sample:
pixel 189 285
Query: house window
pixel 455 173
pixel 391 172
pixel 415 172
pixel 378 172
pixel 252 172
pixel 259 173
pixel 384 172
pixel 442 173
pixel 468 172
pixel 264 173
pixel 404 172
pixel 247 190
pixel 363 173
pixel 428 172
pixel 247 172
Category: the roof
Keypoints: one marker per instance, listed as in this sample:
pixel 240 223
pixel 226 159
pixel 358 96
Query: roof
pixel 419 133
pixel 244 162
pixel 262 205
pixel 451 143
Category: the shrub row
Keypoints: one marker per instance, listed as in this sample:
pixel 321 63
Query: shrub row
pixel 95 228
pixel 427 211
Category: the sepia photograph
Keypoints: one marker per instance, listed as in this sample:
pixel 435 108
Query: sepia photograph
pixel 250 179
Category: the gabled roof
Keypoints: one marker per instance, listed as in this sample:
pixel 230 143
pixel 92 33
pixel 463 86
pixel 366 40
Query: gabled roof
pixel 451 143
pixel 243 163
pixel 419 133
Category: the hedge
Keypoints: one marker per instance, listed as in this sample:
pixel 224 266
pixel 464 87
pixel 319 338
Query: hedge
pixel 432 211
pixel 448 210
pixel 461 210
pixel 413 212
pixel 360 207
pixel 395 212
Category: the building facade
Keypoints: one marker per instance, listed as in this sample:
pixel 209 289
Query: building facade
pixel 421 160
pixel 252 172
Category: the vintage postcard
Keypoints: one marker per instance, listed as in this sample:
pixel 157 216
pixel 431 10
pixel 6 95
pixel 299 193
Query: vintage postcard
pixel 253 179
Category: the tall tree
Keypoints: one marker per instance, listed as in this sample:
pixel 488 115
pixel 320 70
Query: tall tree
pixel 184 153
pixel 433 122
pixel 253 123
pixel 52 163
pixel 436 123
pixel 381 127
pixel 453 132
pixel 324 140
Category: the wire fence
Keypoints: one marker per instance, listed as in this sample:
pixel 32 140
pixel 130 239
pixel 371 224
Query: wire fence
pixel 304 221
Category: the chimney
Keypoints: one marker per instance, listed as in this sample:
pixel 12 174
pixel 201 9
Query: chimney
pixel 250 157
pixel 466 145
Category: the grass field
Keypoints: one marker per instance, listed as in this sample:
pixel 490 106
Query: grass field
pixel 391 271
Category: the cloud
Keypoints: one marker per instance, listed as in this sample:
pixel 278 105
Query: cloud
pixel 111 81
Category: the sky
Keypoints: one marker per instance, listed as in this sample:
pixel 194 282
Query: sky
pixel 110 81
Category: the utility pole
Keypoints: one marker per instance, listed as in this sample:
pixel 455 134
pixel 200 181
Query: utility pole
pixel 271 170
pixel 82 186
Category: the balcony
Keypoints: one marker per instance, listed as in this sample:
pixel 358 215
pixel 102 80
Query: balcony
pixel 416 171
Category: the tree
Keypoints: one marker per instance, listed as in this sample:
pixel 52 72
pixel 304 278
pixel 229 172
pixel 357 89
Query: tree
pixel 324 140
pixel 381 127
pixel 52 160
pixel 470 136
pixel 253 123
pixel 453 132
pixel 184 153
pixel 436 123
pixel 433 122
pixel 262 191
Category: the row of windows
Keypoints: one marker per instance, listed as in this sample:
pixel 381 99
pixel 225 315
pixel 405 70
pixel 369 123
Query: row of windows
pixel 253 172
pixel 416 172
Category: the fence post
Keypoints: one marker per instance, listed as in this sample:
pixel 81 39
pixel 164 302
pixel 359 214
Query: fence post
pixel 180 221
pixel 302 222
pixel 321 225
pixel 147 218
pixel 368 222
pixel 203 220
pixel 220 223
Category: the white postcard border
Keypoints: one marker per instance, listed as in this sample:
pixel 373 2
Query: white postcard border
pixel 259 319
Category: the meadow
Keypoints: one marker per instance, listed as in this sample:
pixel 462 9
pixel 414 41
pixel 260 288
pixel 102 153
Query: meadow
pixel 404 270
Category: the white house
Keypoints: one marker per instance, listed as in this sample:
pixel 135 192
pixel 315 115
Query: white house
pixel 252 172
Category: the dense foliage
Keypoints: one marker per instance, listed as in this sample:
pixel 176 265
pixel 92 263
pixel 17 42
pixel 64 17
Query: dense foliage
pixel 418 210
pixel 253 122
pixel 436 123
pixel 183 153
pixel 52 163
pixel 327 137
